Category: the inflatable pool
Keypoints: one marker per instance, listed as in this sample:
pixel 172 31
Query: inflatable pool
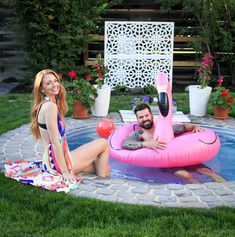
pixel 184 150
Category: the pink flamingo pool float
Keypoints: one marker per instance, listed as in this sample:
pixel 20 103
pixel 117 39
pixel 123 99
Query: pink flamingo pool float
pixel 183 150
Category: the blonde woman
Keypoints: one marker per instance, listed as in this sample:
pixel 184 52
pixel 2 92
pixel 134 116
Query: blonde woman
pixel 48 111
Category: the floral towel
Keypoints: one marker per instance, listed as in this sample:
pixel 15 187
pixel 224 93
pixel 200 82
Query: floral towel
pixel 31 173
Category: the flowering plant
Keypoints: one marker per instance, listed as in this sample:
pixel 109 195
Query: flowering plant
pixel 221 97
pixel 205 70
pixel 80 88
pixel 98 73
pixel 145 99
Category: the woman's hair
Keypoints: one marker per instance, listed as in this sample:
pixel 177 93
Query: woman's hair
pixel 39 97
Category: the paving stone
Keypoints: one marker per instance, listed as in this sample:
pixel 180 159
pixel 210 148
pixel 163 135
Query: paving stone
pixel 193 186
pixel 100 184
pixel 162 192
pixel 137 184
pixel 196 205
pixel 145 197
pixel 142 190
pixel 208 199
pixel 182 193
pixel 167 199
pixel 125 194
pixel 86 181
pixel 217 204
pixel 188 199
pixel 87 194
pixel 229 198
pixel 156 186
pixel 142 202
pixel 230 184
pixel 120 187
pixel 174 204
pixel 109 198
pixel 232 188
pixel 129 201
pixel 214 185
pixel 12 150
pixel 222 192
pixel 13 156
pixel 203 192
pixel 117 181
pixel 174 186
pixel 88 188
pixel 105 191
pixel 231 204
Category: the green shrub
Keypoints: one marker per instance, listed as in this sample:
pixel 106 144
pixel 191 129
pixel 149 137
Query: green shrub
pixel 55 31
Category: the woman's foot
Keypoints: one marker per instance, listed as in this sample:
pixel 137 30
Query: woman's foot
pixel 108 171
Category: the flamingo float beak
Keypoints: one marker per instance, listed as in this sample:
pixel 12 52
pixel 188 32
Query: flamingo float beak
pixel 163 103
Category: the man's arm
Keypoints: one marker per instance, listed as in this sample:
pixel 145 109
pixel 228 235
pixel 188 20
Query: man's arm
pixel 133 141
pixel 187 127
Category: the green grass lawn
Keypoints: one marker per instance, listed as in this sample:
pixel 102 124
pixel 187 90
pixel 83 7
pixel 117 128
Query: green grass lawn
pixel 29 211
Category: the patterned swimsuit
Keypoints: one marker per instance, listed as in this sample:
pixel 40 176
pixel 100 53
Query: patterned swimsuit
pixel 49 163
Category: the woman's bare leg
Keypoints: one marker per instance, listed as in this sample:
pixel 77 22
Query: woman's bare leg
pixel 92 157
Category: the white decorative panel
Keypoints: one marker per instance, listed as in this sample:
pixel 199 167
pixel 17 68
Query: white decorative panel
pixel 135 52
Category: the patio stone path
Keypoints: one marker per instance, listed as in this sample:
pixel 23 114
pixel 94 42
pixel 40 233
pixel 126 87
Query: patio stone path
pixel 19 144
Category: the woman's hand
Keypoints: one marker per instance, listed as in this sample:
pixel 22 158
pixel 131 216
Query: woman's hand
pixel 68 177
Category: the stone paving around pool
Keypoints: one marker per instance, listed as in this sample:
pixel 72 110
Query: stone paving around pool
pixel 19 144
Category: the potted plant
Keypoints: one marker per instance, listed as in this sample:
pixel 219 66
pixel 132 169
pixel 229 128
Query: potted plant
pixel 199 95
pixel 221 101
pixel 83 93
pixel 99 74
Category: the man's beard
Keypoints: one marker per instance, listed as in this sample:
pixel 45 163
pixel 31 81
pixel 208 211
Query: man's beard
pixel 147 125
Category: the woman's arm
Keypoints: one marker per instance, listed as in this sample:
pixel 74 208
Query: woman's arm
pixel 51 114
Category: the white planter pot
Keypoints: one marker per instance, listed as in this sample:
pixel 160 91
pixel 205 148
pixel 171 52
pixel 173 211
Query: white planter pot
pixel 101 106
pixel 198 99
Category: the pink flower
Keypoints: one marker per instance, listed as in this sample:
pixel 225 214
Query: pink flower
pixel 220 81
pixel 72 74
pixel 100 75
pixel 204 63
pixel 199 70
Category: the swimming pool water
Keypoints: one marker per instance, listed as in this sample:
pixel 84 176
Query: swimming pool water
pixel 223 164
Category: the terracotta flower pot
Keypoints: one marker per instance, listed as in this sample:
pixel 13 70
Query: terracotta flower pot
pixel 79 111
pixel 220 113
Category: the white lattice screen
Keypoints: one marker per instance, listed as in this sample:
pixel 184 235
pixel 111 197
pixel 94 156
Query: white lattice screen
pixel 135 51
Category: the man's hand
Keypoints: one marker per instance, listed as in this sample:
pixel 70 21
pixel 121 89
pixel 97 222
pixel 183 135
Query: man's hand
pixel 154 144
pixel 197 129
pixel 193 128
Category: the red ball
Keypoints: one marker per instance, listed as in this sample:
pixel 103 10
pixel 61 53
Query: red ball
pixel 105 127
